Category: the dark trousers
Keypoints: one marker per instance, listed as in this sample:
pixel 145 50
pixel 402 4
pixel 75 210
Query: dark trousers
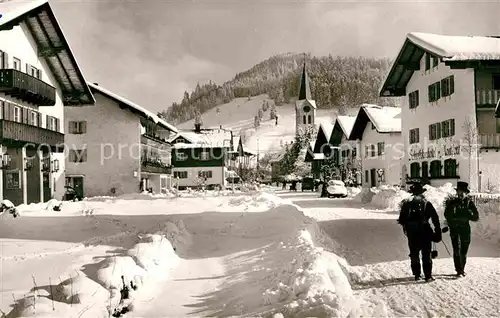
pixel 460 240
pixel 420 242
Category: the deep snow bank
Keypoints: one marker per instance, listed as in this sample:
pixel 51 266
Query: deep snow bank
pixel 98 292
pixel 293 273
pixel 488 226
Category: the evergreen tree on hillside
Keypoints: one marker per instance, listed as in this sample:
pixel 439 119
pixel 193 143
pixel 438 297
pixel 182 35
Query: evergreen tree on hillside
pixel 335 81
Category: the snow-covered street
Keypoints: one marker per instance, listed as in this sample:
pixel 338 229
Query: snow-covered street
pixel 224 254
pixel 374 245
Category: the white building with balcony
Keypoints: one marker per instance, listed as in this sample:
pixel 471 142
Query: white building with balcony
pixel 377 131
pixel 116 147
pixel 451 85
pixel 39 77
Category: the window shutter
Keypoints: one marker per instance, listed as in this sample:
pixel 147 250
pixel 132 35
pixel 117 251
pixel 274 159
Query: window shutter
pixel 47 121
pixel 429 93
pixel 57 124
pixel 431 136
pixel 438 90
pixel 83 127
pixel 438 130
pixel 451 83
pixel 39 74
pixel 417 135
pixel 444 86
pixel 28 69
pixel 427 61
pixel 39 120
pixel 84 155
pixel 12 112
pixel 452 127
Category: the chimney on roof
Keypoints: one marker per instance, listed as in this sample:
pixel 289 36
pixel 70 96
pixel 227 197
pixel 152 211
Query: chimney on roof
pixel 197 128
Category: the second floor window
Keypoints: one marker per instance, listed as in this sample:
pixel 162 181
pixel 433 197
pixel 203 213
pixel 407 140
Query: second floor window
pixel 52 123
pixel 413 99
pixel 434 91
pixel 180 156
pixel 17 63
pixel 77 127
pixel 78 155
pixel 204 155
pixel 380 148
pixel 372 151
pixel 414 136
pixel 448 128
pixel 448 86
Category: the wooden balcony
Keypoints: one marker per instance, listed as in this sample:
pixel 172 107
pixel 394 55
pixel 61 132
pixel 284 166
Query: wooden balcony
pixel 155 166
pixel 23 133
pixel 27 88
pixel 489 141
pixel 487 98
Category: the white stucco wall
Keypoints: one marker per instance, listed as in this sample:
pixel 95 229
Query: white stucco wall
pixel 218 176
pixel 489 166
pixel 390 161
pixel 113 147
pixel 20 44
pixel 458 106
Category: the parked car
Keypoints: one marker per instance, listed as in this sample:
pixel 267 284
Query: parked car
pixel 308 184
pixel 71 194
pixel 336 189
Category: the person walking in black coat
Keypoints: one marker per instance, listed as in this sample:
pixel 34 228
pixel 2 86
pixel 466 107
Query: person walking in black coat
pixel 459 210
pixel 414 218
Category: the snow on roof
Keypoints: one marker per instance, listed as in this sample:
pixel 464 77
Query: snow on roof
pixel 458 48
pixel 346 123
pixel 146 113
pixel 385 118
pixel 327 128
pixel 213 138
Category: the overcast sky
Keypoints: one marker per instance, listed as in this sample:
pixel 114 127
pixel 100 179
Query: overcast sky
pixel 151 51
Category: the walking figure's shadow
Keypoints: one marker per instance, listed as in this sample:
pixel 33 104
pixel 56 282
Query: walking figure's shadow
pixel 398 281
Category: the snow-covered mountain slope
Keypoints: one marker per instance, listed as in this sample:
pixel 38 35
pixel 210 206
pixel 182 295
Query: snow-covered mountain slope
pixel 238 115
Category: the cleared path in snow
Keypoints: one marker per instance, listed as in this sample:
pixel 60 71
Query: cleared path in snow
pixel 373 243
pixel 179 295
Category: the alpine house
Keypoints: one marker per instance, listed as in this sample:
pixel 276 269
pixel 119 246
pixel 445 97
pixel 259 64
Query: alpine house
pixel 39 76
pixel 377 130
pixel 451 86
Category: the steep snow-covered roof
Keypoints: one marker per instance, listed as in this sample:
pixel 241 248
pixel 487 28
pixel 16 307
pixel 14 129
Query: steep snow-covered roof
pixel 123 101
pixel 458 48
pixel 346 123
pixel 386 119
pixel 453 50
pixel 327 128
pixel 213 138
pixel 46 31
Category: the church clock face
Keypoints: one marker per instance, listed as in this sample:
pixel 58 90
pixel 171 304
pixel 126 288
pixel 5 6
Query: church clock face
pixel 306 109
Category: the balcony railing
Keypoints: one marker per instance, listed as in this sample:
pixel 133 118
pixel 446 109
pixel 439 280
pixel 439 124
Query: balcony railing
pixel 152 165
pixel 27 88
pixel 489 141
pixel 24 133
pixel 487 97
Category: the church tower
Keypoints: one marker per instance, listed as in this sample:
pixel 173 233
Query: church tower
pixel 305 106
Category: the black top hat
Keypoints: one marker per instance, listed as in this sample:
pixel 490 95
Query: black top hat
pixel 464 186
pixel 416 188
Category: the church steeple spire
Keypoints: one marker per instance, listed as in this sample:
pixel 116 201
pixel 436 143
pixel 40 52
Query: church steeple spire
pixel 304 89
